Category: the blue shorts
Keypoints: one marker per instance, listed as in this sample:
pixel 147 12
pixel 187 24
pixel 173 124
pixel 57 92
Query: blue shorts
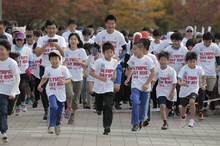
pixel 119 74
pixel 163 100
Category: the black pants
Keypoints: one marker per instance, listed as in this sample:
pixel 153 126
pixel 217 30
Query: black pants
pixel 178 98
pixel 107 99
pixel 43 94
pixel 35 85
pixel 153 95
pixel 24 81
pixel 7 107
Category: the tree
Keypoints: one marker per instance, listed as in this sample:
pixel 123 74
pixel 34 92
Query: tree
pixel 134 15
pixel 197 12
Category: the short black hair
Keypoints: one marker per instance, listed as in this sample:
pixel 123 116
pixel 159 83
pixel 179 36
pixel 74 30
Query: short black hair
pixel 145 42
pixel 42 28
pixel 106 46
pixel 6 22
pixel 3 37
pixel 217 35
pixel 51 22
pixel 38 33
pixel 191 56
pixel 53 55
pixel 15 23
pixel 191 42
pixel 176 36
pixel 86 32
pixel 90 26
pixel 2 23
pixel 87 46
pixel 7 46
pixel 164 54
pixel 62 27
pixel 110 17
pixel 125 33
pixel 29 27
pixel 72 21
pixel 147 29
pixel 157 32
pixel 130 34
pixel 139 44
pixel 208 36
pixel 34 45
pixel 29 35
pixel 80 45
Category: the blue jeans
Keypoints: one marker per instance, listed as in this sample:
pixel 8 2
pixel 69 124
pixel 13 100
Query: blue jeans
pixel 7 107
pixel 119 73
pixel 139 101
pixel 148 109
pixel 55 111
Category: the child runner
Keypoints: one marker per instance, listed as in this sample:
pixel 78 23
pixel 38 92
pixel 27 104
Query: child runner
pixel 142 68
pixel 104 73
pixel 191 43
pixel 58 75
pixel 157 34
pixel 188 78
pixel 166 88
pixel 86 36
pixel 146 43
pixel 75 60
pixel 36 75
pixel 9 82
pixel 25 65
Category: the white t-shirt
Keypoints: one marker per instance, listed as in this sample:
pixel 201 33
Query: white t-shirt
pixel 184 41
pixel 36 66
pixel 74 67
pixel 206 57
pixel 93 37
pixel 167 78
pixel 177 57
pixel 9 37
pixel 163 45
pixel 116 38
pixel 153 47
pixel 9 68
pixel 129 47
pixel 154 59
pixel 40 43
pixel 24 58
pixel 104 68
pixel 89 62
pixel 53 86
pixel 29 46
pixel 191 77
pixel 90 41
pixel 141 71
pixel 66 35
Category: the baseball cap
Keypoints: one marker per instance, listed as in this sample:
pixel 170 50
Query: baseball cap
pixel 19 36
pixel 8 30
pixel 15 29
pixel 55 52
pixel 144 34
pixel 137 36
pixel 168 37
pixel 189 28
pixel 99 29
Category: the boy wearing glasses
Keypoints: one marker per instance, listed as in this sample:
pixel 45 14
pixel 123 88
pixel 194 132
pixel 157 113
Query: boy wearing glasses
pixel 188 34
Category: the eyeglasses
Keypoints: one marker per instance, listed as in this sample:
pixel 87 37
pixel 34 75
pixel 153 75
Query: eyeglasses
pixel 189 31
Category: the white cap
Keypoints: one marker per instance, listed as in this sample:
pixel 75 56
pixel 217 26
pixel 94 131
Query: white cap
pixel 189 28
pixel 168 37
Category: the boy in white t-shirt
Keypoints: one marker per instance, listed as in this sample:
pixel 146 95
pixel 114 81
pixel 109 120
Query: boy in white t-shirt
pixel 104 73
pixel 58 75
pixel 208 53
pixel 177 60
pixel 166 88
pixel 154 44
pixel 142 68
pixel 188 78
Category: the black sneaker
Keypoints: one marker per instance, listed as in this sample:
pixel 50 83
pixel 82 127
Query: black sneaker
pixel 45 115
pixel 35 104
pixel 170 114
pixel 32 98
pixel 165 126
pixel 107 130
pixel 146 122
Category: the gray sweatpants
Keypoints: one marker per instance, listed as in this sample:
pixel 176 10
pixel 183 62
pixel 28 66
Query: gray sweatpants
pixel 85 91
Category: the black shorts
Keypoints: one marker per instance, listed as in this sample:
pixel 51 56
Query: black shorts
pixel 185 101
pixel 163 100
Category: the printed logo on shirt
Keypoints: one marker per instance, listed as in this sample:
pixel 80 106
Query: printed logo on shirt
pixel 133 62
pixel 171 52
pixel 157 73
pixel 44 41
pixel 67 54
pixel 103 65
pixel 103 37
pixel 48 74
pixel 185 73
pixel 115 38
pixel 201 49
pixel 79 55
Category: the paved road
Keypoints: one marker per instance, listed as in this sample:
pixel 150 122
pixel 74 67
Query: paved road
pixel 30 129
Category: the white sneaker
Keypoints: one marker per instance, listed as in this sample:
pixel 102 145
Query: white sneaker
pixel 191 123
pixel 23 107
pixel 183 121
pixel 50 130
pixel 5 138
pixel 57 130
